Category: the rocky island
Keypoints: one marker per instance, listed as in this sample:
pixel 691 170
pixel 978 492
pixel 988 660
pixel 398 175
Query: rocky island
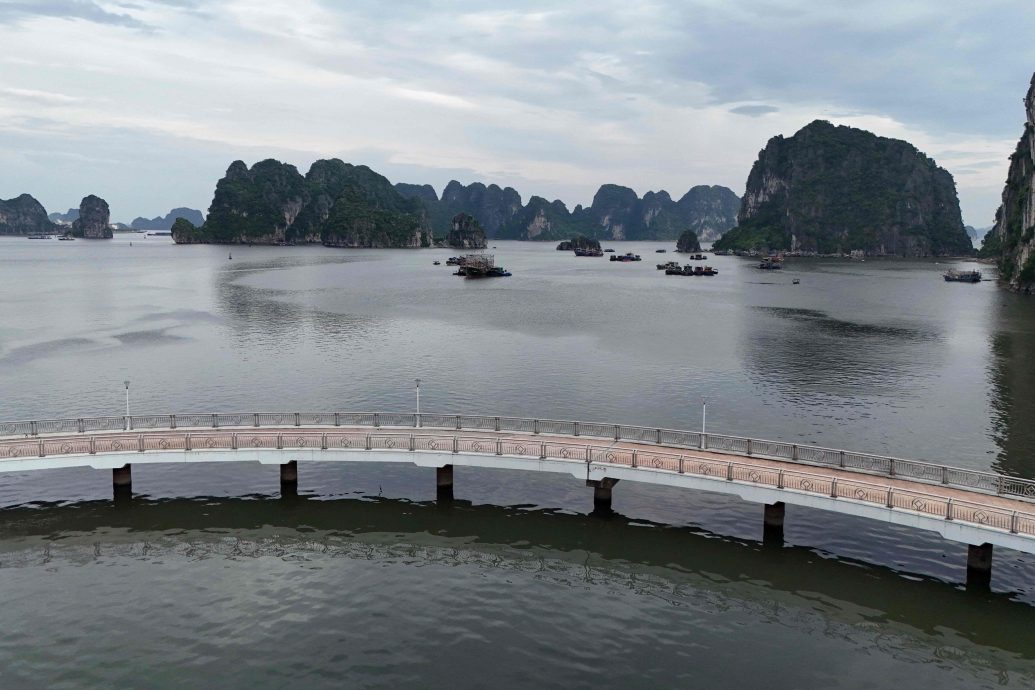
pixel 831 189
pixel 466 233
pixel 94 221
pixel 1011 241
pixel 194 216
pixel 688 242
pixel 335 204
pixel 24 215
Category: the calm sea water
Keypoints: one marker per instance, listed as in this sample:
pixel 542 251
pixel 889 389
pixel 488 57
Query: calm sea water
pixel 210 577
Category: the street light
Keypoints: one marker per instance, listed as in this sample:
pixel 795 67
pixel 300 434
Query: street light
pixel 417 381
pixel 127 396
pixel 704 415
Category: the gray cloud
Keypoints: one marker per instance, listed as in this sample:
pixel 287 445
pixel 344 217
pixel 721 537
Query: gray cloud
pixel 754 110
pixel 13 11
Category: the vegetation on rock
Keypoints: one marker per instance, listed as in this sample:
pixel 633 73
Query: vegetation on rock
pixel 23 215
pixel 834 189
pixel 688 242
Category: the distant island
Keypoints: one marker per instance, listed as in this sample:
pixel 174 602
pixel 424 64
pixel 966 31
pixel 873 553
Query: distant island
pixel 617 213
pixel 166 222
pixel 833 189
pixel 24 215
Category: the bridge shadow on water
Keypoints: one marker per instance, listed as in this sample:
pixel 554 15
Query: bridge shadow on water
pixel 679 556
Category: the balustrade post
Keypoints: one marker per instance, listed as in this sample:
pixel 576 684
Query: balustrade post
pixel 186 442
pixel 948 510
pixel 337 419
pixel 323 441
pixel 833 488
pixel 779 480
pixel 657 437
pixel 40 442
pixel 280 442
pixel 618 432
pixel 945 475
pixel 589 455
pixel 841 459
pixel 1013 523
pixel 891 467
pixel 729 471
pixel 794 453
pixel 233 441
pixel 140 443
pixel 456 445
pixel 497 423
pixel 999 486
pixel 368 446
pixel 680 464
pixel 499 447
pixel 215 421
pixel 256 416
pixel 80 425
pixel 634 459
pixel 891 503
pixel 172 421
pixel 704 441
pixel 298 419
pixel 93 446
pixel 535 426
pixel 125 423
pixel 377 420
pixel 542 451
pixel 459 423
pixel 413 445
pixel 749 447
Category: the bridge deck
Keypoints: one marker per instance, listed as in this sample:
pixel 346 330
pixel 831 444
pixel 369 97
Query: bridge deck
pixel 598 457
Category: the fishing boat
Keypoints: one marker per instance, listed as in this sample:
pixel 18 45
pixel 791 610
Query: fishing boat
pixel 629 256
pixel 771 263
pixel 41 237
pixel 481 266
pixel 66 238
pixel 579 251
pixel 436 263
pixel 954 276
pixel 666 266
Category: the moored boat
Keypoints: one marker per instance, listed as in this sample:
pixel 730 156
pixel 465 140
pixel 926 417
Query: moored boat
pixel 954 276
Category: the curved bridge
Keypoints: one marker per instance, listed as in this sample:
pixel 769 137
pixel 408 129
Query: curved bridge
pixel 973 507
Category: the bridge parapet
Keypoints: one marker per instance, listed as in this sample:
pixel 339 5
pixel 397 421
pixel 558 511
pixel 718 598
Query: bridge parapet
pixel 803 454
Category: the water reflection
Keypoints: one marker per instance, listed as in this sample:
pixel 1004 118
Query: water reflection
pixel 653 559
pixel 1011 377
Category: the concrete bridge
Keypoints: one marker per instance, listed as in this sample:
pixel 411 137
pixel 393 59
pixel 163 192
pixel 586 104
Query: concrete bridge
pixel 980 509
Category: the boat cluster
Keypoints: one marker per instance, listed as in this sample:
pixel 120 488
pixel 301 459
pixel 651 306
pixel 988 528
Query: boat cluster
pixel 626 257
pixel 771 263
pixel 590 251
pixel 954 276
pixel 672 268
pixel 477 266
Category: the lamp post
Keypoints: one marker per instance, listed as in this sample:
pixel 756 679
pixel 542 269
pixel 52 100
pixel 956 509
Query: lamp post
pixel 126 382
pixel 704 415
pixel 417 381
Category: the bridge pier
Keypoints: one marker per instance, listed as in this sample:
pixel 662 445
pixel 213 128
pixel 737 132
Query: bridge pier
pixel 979 567
pixel 602 493
pixel 289 478
pixel 772 524
pixel 444 482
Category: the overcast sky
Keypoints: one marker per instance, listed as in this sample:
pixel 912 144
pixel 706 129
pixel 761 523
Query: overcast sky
pixel 146 102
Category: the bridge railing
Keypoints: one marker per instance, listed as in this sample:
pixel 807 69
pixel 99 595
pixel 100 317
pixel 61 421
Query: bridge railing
pixel 544 447
pixel 804 454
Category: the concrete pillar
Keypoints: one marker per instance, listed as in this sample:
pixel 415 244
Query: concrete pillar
pixel 602 493
pixel 772 524
pixel 289 473
pixel 979 566
pixel 122 476
pixel 444 482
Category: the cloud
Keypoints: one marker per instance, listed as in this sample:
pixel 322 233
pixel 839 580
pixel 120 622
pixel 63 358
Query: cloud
pixel 552 98
pixel 754 110
pixel 64 9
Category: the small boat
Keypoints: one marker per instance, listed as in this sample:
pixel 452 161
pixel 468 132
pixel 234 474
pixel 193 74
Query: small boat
pixel 454 261
pixel 674 271
pixel 954 276
pixel 40 237
pixel 437 263
pixel 660 251
pixel 609 251
pixel 588 252
pixel 629 256
pixel 229 256
pixel 709 271
pixel 795 281
pixel 66 238
pixel 770 264
pixel 666 266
